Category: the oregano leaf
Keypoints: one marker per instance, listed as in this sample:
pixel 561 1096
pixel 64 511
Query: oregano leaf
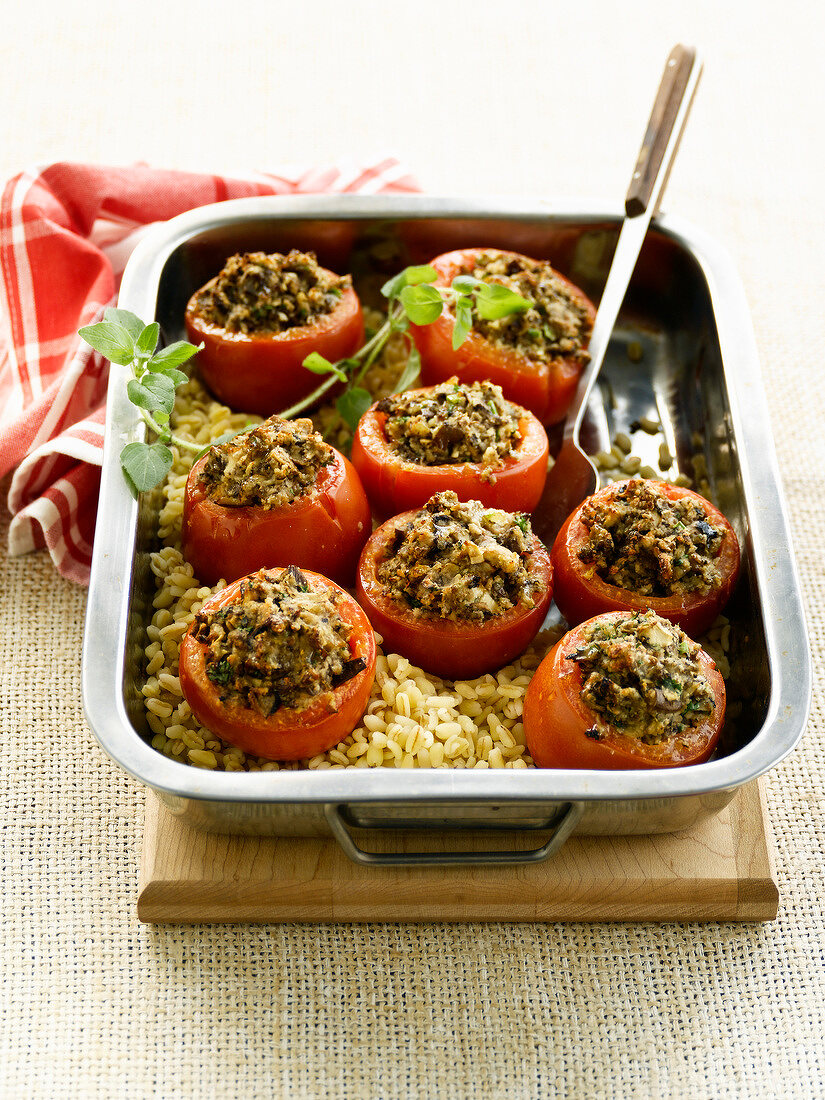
pixel 111 339
pixel 393 287
pixel 140 396
pixel 173 355
pixel 410 276
pixel 495 301
pixel 176 377
pixel 317 363
pixel 465 283
pixel 352 404
pixel 162 389
pixel 463 320
pixel 154 391
pixel 145 464
pixel 410 372
pixel 133 325
pixel 422 304
pixel 421 273
pixel 124 339
pixel 147 340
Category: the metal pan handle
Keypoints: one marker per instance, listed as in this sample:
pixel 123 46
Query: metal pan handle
pixel 560 824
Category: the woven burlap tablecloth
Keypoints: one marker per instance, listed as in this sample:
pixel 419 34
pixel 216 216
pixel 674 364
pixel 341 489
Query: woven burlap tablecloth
pixel 96 1004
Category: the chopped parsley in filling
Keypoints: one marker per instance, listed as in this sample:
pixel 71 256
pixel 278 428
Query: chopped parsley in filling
pixel 641 674
pixel 643 542
pixel 452 423
pixel 557 323
pixel 460 561
pixel 257 292
pixel 280 644
pixel 267 466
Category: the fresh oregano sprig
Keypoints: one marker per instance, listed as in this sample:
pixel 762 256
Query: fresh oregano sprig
pixel 124 339
pixel 411 298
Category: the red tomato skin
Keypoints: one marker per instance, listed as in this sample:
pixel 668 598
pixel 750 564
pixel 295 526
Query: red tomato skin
pixel 555 720
pixel 288 734
pixel 262 372
pixel 443 646
pixel 323 530
pixel 581 593
pixel 395 484
pixel 546 389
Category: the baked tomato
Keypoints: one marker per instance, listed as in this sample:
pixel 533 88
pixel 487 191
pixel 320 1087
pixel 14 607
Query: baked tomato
pixel 543 384
pixel 287 733
pixel 581 593
pixel 395 483
pixel 562 731
pixel 262 372
pixel 323 530
pixel 448 647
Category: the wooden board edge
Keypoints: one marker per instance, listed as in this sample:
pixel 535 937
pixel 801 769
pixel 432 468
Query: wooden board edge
pixel 151 817
pixel 751 897
pixel 157 905
pixel 758 896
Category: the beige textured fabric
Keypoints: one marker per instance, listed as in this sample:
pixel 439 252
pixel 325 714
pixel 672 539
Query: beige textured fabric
pixel 95 1005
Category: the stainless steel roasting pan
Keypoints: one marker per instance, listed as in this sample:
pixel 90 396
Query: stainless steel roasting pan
pixel 699 373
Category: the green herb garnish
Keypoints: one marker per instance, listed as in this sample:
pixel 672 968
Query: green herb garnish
pixel 411 298
pixel 124 339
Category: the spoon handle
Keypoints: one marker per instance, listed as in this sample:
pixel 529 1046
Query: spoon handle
pixel 661 142
pixel 664 131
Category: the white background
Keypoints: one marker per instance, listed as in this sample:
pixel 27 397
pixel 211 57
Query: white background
pixel 508 96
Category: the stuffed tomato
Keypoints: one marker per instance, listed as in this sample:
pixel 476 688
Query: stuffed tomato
pixel 260 317
pixel 638 544
pixel 464 438
pixel 280 664
pixel 624 690
pixel 272 495
pixel 457 588
pixel 535 355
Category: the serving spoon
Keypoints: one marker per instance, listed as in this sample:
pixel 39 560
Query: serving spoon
pixel 573 476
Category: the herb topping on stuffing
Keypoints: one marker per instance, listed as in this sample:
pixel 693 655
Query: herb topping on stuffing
pixel 267 466
pixel 461 561
pixel 260 292
pixel 453 423
pixel 280 644
pixel 557 323
pixel 640 540
pixel 641 674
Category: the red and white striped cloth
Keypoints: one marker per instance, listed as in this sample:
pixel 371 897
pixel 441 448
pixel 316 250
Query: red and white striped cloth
pixel 66 232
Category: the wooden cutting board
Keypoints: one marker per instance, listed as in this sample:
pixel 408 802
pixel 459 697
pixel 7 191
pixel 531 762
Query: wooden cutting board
pixel 719 870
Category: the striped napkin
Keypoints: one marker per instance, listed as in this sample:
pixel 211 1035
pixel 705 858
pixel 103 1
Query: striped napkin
pixel 66 232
